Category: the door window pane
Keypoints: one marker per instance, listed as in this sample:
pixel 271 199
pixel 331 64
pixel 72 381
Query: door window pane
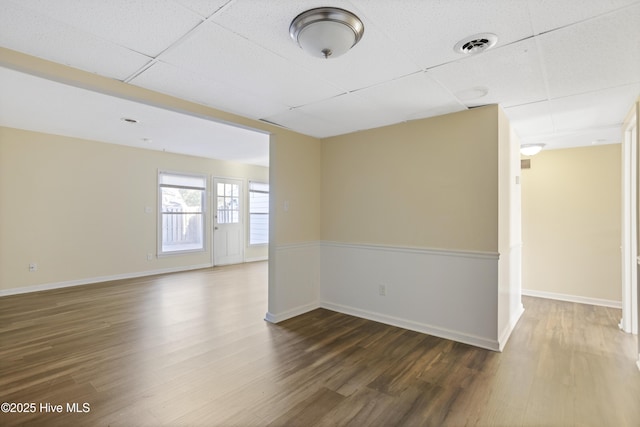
pixel 228 205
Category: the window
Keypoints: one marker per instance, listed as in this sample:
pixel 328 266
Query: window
pixel 182 207
pixel 228 203
pixel 258 213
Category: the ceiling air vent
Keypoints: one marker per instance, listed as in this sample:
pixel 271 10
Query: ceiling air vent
pixel 476 44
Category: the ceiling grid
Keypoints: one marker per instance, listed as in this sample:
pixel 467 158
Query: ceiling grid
pixel 562 70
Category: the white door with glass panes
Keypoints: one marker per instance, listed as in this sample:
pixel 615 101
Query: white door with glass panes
pixel 228 236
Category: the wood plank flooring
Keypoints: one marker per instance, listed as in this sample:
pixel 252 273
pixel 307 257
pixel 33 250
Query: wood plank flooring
pixel 191 349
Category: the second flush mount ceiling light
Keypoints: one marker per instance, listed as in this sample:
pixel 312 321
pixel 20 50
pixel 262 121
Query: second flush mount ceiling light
pixel 326 32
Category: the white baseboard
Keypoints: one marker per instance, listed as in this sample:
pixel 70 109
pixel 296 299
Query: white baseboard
pixel 297 311
pixel 506 333
pixel 99 279
pixel 414 326
pixel 389 320
pixel 572 298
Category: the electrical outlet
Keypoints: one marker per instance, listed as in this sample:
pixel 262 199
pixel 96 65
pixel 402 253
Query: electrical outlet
pixel 382 290
pixel 33 267
pixel 149 257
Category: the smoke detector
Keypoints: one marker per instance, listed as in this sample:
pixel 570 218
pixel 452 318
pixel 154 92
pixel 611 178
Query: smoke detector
pixel 476 44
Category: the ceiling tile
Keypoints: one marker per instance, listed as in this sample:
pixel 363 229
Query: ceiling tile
pixel 595 109
pixel 579 138
pixel 412 97
pixel 267 22
pixel 204 8
pixel 25 31
pixel 595 54
pixel 230 58
pixel 531 119
pixel 172 80
pixel 547 15
pixel 512 75
pixel 145 26
pixel 575 120
pixel 354 112
pixel 428 30
pixel 373 60
pixel 309 125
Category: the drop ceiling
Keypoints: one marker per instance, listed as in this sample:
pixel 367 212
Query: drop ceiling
pixel 565 71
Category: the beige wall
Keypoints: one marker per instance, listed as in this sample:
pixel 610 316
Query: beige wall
pixel 430 183
pixel 77 207
pixel 571 222
pixel 295 163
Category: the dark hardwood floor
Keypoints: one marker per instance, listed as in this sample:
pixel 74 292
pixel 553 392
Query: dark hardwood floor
pixel 193 349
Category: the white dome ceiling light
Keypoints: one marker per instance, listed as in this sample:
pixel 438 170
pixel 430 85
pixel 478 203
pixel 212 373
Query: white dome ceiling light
pixel 326 32
pixel 531 149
